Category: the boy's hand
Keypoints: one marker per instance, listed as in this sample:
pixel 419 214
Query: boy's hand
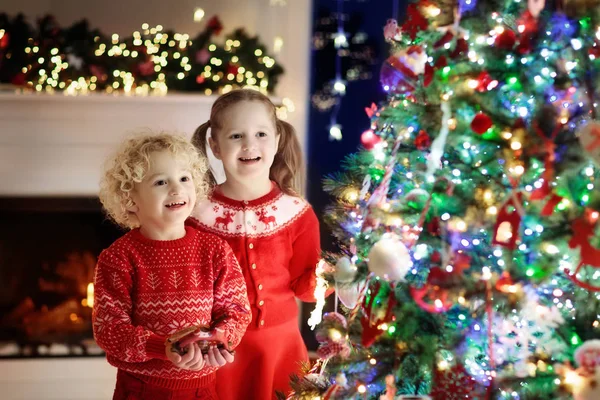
pixel 191 360
pixel 217 357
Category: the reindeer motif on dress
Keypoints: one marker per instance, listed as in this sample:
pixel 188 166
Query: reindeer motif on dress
pixel 225 220
pixel 266 219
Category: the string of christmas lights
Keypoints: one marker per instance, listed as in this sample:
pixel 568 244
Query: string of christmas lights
pixel 343 53
pixel 77 60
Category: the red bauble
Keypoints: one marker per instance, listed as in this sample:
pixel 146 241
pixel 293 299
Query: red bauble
pixel 369 139
pixel 422 141
pixel 506 40
pixel 481 123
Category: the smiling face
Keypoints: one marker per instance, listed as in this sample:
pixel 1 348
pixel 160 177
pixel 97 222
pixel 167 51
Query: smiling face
pixel 246 142
pixel 165 197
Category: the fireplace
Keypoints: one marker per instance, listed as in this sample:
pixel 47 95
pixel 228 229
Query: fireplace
pixel 48 252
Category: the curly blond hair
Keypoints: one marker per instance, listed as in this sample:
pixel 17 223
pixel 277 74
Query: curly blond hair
pixel 131 162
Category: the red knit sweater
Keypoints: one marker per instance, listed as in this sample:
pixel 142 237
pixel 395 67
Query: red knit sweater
pixel 145 290
pixel 276 240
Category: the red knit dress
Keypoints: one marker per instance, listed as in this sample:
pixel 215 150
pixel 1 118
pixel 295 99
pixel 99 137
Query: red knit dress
pixel 145 290
pixel 276 240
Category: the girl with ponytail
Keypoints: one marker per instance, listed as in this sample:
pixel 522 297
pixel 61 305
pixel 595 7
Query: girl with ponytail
pixel 273 232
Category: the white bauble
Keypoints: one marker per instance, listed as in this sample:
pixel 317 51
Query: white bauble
pixel 589 137
pixel 345 270
pixel 348 293
pixel 389 258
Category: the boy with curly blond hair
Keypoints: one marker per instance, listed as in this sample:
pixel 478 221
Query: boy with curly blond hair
pixel 163 276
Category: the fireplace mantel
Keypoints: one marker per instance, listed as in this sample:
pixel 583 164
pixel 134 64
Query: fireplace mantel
pixel 55 145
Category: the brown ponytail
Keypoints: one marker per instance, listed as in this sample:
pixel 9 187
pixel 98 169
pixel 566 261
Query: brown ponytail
pixel 199 141
pixel 288 166
pixel 287 169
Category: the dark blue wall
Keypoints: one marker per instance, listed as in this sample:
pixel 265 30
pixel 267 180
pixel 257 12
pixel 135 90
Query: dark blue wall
pixel 323 155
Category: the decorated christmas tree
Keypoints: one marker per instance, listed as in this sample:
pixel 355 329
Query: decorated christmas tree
pixel 469 242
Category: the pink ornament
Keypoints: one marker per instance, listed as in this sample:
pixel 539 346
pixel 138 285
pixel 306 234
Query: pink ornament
pixel 202 56
pixel 535 7
pixel 392 31
pixel 146 68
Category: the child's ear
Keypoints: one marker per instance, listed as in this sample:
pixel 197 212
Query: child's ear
pixel 214 147
pixel 132 207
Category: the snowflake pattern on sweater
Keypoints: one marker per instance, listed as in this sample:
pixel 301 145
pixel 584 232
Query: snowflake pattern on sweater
pixel 145 290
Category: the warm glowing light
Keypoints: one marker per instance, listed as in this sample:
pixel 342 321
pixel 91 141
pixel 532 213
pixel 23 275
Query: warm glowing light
pixel 198 14
pixel 432 10
pixel 335 335
pixel 319 294
pixel 90 295
pixel 473 83
pixel 277 44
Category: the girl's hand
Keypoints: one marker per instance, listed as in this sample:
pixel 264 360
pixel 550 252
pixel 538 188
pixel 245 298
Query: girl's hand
pixel 217 357
pixel 191 360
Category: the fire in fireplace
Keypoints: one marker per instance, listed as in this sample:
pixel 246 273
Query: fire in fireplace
pixel 48 252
